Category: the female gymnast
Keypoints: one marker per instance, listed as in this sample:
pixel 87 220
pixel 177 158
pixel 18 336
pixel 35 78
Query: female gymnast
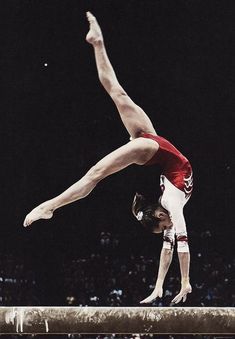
pixel 145 147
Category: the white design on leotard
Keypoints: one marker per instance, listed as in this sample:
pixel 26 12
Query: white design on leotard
pixel 188 182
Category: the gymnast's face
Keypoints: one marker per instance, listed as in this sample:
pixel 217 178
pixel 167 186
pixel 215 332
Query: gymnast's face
pixel 165 221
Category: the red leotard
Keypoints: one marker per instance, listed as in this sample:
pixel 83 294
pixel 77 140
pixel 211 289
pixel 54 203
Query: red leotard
pixel 175 165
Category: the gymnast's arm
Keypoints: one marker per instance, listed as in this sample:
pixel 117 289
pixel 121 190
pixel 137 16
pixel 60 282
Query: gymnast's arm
pixel 164 264
pixel 178 220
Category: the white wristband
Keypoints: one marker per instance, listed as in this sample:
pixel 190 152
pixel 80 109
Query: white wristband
pixel 182 246
pixel 167 245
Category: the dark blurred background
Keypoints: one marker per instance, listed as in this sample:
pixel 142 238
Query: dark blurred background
pixel 176 60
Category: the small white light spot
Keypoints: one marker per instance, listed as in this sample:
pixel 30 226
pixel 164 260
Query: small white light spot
pixel 45 64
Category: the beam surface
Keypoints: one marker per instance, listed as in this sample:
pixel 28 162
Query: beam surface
pixel 88 320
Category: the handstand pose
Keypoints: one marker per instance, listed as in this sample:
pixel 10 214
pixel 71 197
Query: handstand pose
pixel 145 148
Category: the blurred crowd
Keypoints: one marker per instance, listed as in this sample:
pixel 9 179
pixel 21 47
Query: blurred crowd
pixel 111 277
pixel 105 279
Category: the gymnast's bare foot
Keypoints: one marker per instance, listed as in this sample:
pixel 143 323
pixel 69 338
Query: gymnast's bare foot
pixel 94 36
pixel 42 211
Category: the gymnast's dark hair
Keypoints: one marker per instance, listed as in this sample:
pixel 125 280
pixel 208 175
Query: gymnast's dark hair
pixel 144 212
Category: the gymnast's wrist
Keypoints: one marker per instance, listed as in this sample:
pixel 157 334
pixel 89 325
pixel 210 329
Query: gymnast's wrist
pixel 184 281
pixel 159 282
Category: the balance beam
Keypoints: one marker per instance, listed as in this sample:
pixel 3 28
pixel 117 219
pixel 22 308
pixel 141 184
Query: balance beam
pixel 119 320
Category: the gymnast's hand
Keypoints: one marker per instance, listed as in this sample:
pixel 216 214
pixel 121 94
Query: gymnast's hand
pixel 157 292
pixel 185 289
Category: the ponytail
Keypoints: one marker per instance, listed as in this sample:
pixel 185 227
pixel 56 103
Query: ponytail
pixel 144 212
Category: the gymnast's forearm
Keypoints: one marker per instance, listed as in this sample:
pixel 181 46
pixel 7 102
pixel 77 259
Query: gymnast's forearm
pixel 165 261
pixel 184 260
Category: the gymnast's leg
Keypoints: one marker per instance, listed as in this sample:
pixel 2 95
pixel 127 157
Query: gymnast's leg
pixel 133 117
pixel 135 121
pixel 138 151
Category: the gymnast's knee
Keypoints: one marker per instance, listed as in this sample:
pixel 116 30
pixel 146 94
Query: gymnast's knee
pixel 117 93
pixel 95 174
